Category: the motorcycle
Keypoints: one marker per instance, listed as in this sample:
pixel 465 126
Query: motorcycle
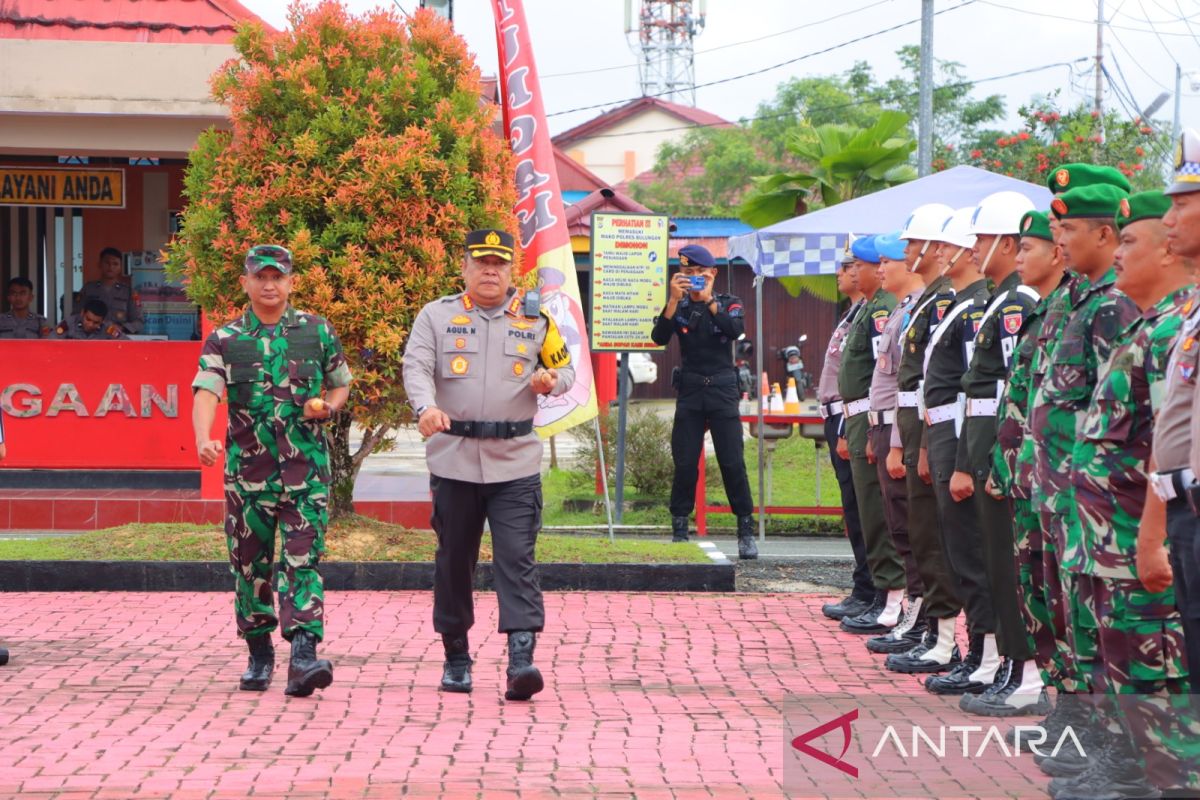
pixel 747 385
pixel 792 357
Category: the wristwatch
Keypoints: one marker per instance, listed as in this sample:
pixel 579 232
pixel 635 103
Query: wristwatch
pixel 421 410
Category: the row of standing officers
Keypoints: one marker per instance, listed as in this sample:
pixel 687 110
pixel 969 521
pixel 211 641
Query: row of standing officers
pixel 1011 394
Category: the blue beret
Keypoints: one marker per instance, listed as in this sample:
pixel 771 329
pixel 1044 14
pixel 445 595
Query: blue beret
pixel 890 245
pixel 863 249
pixel 694 255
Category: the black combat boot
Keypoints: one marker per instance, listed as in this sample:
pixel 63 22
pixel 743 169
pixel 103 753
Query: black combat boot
pixel 987 697
pixel 257 676
pixel 306 672
pixel 908 633
pixel 958 680
pixel 849 606
pixel 524 680
pixel 679 529
pixel 456 674
pixel 1115 773
pixel 3 656
pixel 747 547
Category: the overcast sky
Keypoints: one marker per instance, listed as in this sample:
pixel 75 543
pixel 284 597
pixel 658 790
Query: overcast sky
pixel 990 38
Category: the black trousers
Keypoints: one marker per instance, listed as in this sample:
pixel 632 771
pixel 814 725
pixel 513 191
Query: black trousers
pixel 895 507
pixel 1183 541
pixel 887 571
pixel 864 588
pixel 924 525
pixel 714 407
pixel 999 548
pixel 513 509
pixel 962 537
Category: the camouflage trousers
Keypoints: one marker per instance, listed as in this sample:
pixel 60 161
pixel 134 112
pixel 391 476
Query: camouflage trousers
pixel 1146 676
pixel 1062 603
pixel 1028 539
pixel 251 520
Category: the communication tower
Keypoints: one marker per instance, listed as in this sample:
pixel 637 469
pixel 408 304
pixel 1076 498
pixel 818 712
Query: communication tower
pixel 661 33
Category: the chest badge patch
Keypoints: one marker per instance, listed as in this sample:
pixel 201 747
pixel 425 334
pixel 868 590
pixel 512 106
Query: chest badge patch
pixel 1012 324
pixel 459 365
pixel 522 348
pixel 518 368
pixel 460 343
pixel 461 319
pixel 521 324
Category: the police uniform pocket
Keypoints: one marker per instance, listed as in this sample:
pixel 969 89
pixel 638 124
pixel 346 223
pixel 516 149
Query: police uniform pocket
pixel 518 359
pixel 460 357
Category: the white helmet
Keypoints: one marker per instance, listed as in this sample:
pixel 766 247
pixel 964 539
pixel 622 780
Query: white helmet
pixel 957 229
pixel 925 222
pixel 1001 214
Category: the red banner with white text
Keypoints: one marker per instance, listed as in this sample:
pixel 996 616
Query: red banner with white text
pixel 539 209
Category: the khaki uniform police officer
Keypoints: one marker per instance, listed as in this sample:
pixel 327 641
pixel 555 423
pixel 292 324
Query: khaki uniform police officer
pixel 474 365
pixel 90 323
pixel 20 322
pixel 123 306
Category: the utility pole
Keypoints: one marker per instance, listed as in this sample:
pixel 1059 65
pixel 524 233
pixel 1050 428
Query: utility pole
pixel 1175 124
pixel 1099 57
pixel 925 93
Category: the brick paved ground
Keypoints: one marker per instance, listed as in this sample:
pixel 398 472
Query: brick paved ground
pixel 651 696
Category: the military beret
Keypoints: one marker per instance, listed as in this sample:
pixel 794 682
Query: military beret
pixel 1076 176
pixel 694 255
pixel 890 246
pixel 1187 163
pixel 1096 200
pixel 490 242
pixel 1143 205
pixel 268 255
pixel 864 249
pixel 1036 224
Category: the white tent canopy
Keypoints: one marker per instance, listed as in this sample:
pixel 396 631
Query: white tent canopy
pixel 812 244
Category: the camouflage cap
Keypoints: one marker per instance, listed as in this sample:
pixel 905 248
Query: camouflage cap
pixel 1143 205
pixel 1076 176
pixel 1036 225
pixel 1097 200
pixel 262 256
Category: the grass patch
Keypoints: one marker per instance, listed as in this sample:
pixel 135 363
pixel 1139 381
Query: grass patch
pixel 352 539
pixel 797 464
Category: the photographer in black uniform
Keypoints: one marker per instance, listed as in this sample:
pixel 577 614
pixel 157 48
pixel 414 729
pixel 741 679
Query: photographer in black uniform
pixel 707 326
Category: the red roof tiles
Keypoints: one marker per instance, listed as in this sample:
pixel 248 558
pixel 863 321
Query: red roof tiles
pixel 162 21
pixel 606 120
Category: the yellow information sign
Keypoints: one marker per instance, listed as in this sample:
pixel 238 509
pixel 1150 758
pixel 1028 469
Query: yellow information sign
pixel 62 186
pixel 629 279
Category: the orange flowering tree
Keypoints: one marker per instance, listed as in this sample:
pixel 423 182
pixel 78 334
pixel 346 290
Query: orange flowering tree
pixel 361 144
pixel 1051 137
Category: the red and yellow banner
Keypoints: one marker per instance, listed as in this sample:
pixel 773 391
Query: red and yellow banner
pixel 539 209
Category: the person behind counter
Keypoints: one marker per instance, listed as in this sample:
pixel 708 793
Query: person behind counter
pixel 90 323
pixel 124 307
pixel 19 322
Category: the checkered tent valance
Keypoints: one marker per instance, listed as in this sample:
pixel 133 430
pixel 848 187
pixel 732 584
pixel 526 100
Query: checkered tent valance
pixel 783 256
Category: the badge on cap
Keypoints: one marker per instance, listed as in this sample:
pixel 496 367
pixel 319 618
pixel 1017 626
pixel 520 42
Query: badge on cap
pixel 1124 207
pixel 1062 177
pixel 684 261
pixel 1028 224
pixel 1059 206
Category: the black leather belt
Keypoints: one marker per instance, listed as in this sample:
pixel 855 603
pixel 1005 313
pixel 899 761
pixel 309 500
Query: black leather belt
pixel 473 429
pixel 696 379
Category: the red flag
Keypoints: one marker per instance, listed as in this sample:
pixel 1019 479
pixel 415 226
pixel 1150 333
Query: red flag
pixel 539 209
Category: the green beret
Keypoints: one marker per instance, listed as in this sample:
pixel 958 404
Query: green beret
pixel 1076 176
pixel 1143 205
pixel 1097 200
pixel 1036 225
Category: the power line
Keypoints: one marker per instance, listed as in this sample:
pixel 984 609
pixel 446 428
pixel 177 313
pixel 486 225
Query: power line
pixel 769 68
pixel 724 46
pixel 852 103
pixel 1089 22
pixel 1167 50
pixel 1137 62
pixel 1186 21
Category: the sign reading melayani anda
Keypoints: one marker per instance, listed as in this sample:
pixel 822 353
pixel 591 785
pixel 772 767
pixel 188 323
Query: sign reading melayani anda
pixel 62 186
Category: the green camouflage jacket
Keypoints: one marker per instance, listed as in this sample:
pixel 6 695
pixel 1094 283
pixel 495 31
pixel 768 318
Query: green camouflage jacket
pixel 270 372
pixel 1113 449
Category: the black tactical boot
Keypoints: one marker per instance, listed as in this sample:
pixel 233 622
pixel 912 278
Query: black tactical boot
pixel 1022 695
pixel 883 615
pixel 936 653
pixel 306 673
pixel 257 676
pixel 747 547
pixel 1069 712
pixel 907 634
pixel 679 529
pixel 1115 773
pixel 849 606
pixel 958 680
pixel 1095 741
pixel 988 696
pixel 456 674
pixel 524 680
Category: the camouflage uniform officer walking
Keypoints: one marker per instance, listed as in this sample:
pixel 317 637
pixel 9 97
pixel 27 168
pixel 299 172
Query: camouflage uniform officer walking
pixel 473 368
pixel 274 361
